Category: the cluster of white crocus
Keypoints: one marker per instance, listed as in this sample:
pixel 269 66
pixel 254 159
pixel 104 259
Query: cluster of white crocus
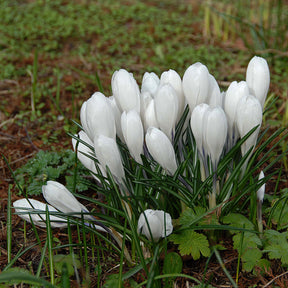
pixel 60 200
pixel 147 117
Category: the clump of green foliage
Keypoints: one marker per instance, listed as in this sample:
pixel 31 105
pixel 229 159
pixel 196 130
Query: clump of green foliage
pixel 57 166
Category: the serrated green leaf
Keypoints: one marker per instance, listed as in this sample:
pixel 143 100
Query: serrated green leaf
pixel 190 216
pixel 191 242
pixel 246 241
pixel 276 245
pixel 238 220
pixel 250 258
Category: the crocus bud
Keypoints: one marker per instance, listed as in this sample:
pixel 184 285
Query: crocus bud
pixel 126 91
pixel 258 78
pixel 62 199
pixel 25 207
pixel 248 116
pixel 197 126
pixel 215 134
pixel 172 77
pixel 150 83
pixel 97 117
pixel 166 108
pixel 145 98
pixel 196 84
pixel 235 92
pixel 108 154
pixel 215 97
pixel 155 224
pixel 161 149
pixel 133 133
pixel 261 190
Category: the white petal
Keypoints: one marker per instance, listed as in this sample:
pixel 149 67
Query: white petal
pixel 235 92
pixel 161 149
pixel 158 222
pixel 108 154
pixel 197 125
pixel 248 116
pixel 150 83
pixel 215 133
pixel 126 91
pixel 172 77
pixel 100 117
pixel 23 206
pixel 166 108
pixel 258 78
pixel 133 133
pixel 61 198
pixel 196 84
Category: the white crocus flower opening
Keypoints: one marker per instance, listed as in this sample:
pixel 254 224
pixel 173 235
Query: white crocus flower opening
pixel 155 224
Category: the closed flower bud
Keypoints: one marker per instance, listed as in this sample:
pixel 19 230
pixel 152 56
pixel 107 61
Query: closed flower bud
pixel 215 134
pixel 97 117
pixel 196 85
pixel 150 83
pixel 161 149
pixel 62 199
pixel 258 78
pixel 126 91
pixel 166 109
pixel 235 92
pixel 133 133
pixel 172 77
pixel 248 116
pixel 261 190
pixel 25 207
pixel 155 224
pixel 108 154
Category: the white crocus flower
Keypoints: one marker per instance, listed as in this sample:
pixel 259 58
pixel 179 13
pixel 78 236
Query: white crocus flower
pixel 215 134
pixel 172 77
pixel 248 116
pixel 58 196
pixel 25 207
pixel 234 93
pixel 258 78
pixel 108 154
pixel 196 85
pixel 197 126
pixel 150 83
pixel 97 117
pixel 155 224
pixel 133 133
pixel 161 149
pixel 126 91
pixel 166 109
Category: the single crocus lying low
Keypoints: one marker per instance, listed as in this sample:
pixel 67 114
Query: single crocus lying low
pixel 155 224
pixel 61 199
